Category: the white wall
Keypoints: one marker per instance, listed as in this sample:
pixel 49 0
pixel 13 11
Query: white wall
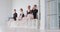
pixel 42 9
pixel 5 12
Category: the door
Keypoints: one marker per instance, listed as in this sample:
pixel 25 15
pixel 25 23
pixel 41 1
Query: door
pixel 51 14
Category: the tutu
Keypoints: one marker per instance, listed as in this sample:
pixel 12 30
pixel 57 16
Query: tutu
pixel 29 16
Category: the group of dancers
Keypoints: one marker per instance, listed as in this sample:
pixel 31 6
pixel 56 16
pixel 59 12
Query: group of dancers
pixel 32 13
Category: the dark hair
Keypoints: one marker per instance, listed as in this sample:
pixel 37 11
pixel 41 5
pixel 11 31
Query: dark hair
pixel 21 9
pixel 14 9
pixel 29 6
pixel 35 5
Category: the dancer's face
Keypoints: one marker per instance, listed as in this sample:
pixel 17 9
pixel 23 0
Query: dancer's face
pixel 14 10
pixel 35 6
pixel 29 7
pixel 21 10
